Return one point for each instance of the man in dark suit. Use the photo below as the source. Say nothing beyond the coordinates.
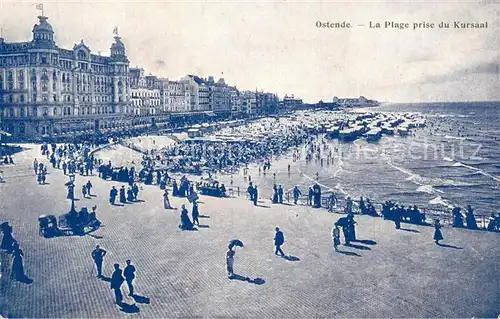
(98, 255)
(112, 195)
(129, 273)
(116, 284)
(279, 239)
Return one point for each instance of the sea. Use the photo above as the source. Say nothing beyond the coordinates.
(453, 161)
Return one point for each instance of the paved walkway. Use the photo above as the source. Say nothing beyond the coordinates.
(391, 274)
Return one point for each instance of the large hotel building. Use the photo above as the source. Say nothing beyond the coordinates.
(50, 91)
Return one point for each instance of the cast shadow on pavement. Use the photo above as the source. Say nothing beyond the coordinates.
(141, 299)
(410, 230)
(449, 246)
(264, 206)
(204, 216)
(125, 307)
(94, 236)
(291, 258)
(357, 247)
(365, 241)
(203, 226)
(256, 281)
(348, 253)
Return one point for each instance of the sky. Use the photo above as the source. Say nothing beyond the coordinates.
(275, 46)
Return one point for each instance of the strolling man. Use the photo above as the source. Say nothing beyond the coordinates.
(116, 284)
(112, 195)
(129, 273)
(279, 239)
(98, 255)
(88, 185)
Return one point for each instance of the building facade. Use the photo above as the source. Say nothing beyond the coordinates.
(266, 103)
(290, 102)
(199, 93)
(176, 96)
(235, 101)
(50, 91)
(220, 97)
(248, 103)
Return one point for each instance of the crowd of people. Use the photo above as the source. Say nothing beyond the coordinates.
(76, 158)
(397, 213)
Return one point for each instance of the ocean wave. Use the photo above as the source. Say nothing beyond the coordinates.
(440, 201)
(473, 174)
(428, 189)
(427, 181)
(480, 171)
(455, 137)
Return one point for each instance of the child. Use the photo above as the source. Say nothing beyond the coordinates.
(336, 237)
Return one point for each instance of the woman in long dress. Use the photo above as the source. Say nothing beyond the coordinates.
(437, 232)
(17, 263)
(166, 201)
(7, 240)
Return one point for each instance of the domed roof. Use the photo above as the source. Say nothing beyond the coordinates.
(43, 26)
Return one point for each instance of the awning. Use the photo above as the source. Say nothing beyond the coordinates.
(5, 133)
(210, 113)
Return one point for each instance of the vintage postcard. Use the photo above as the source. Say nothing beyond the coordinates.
(249, 159)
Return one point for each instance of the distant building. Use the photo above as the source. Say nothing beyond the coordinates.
(236, 101)
(176, 96)
(220, 97)
(354, 102)
(266, 103)
(199, 92)
(290, 102)
(147, 99)
(249, 103)
(50, 91)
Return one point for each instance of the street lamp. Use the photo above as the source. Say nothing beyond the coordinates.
(71, 191)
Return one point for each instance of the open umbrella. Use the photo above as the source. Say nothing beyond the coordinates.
(235, 242)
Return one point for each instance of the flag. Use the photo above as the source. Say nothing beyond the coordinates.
(115, 31)
(39, 6)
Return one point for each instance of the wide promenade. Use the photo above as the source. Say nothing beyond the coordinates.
(389, 273)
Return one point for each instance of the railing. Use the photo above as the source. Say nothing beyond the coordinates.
(445, 217)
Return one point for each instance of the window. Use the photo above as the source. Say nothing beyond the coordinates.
(22, 98)
(1, 82)
(45, 111)
(45, 82)
(82, 55)
(22, 112)
(55, 111)
(21, 79)
(10, 80)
